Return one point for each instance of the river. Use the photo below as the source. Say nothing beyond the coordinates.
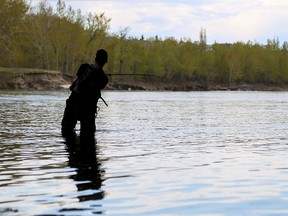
(157, 153)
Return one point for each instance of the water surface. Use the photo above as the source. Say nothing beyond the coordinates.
(157, 153)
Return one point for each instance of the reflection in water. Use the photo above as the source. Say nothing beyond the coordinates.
(164, 153)
(83, 158)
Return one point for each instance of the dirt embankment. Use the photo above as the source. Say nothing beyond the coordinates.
(194, 86)
(34, 80)
(52, 80)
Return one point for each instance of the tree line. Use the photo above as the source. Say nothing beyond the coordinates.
(62, 38)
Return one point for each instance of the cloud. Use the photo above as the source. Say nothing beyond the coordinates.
(224, 20)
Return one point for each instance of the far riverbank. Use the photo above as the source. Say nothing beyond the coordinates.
(35, 79)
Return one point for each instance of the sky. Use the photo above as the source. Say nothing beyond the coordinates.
(225, 21)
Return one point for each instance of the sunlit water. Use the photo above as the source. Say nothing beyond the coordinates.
(157, 153)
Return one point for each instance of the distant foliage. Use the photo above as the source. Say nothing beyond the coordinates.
(61, 38)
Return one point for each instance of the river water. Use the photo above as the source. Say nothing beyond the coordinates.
(157, 153)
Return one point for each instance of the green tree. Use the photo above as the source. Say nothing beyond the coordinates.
(221, 66)
(97, 27)
(39, 26)
(12, 14)
(283, 63)
(234, 56)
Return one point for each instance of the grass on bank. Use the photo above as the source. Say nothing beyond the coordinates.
(19, 71)
(6, 74)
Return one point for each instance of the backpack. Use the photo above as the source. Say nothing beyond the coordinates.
(81, 73)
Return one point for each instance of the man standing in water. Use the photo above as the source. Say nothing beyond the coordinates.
(86, 90)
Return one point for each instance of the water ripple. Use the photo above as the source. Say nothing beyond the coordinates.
(157, 153)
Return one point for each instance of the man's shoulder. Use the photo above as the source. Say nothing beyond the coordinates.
(97, 70)
(88, 70)
(95, 67)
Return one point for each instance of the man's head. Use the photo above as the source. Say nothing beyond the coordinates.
(101, 57)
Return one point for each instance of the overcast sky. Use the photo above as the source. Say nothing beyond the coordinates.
(224, 20)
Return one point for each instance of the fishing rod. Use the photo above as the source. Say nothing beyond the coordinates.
(126, 74)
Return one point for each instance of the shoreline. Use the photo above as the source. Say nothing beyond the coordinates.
(48, 80)
(149, 87)
(196, 86)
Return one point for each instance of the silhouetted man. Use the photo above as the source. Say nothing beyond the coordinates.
(86, 90)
